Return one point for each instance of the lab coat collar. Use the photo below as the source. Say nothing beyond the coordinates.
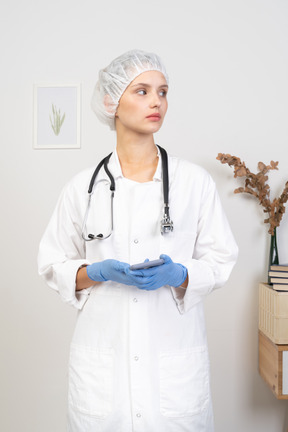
(158, 172)
(115, 167)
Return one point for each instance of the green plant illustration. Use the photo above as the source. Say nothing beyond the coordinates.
(57, 122)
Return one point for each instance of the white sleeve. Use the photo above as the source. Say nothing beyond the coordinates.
(62, 250)
(214, 256)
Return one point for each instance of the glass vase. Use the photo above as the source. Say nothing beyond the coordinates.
(273, 253)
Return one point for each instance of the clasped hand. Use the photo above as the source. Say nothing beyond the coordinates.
(169, 273)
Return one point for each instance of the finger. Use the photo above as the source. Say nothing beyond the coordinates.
(122, 267)
(131, 273)
(150, 283)
(146, 289)
(136, 277)
(166, 258)
(152, 271)
(149, 287)
(143, 283)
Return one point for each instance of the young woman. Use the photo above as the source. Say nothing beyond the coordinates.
(138, 359)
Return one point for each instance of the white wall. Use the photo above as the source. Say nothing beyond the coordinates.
(228, 65)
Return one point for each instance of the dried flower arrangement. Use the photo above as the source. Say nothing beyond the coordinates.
(256, 185)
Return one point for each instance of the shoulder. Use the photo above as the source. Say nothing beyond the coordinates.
(79, 183)
(182, 169)
(83, 177)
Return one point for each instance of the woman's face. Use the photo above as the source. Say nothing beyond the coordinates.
(143, 105)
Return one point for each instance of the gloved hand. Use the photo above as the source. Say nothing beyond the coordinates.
(168, 273)
(113, 270)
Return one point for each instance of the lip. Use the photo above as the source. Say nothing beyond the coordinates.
(154, 116)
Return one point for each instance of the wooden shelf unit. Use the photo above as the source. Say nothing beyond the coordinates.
(273, 365)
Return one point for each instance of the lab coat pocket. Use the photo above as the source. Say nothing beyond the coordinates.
(91, 374)
(184, 382)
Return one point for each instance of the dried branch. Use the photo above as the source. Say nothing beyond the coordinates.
(257, 186)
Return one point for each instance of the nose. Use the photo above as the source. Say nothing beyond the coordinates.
(155, 100)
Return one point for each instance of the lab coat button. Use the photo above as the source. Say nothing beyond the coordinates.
(136, 241)
(136, 358)
(135, 300)
(138, 415)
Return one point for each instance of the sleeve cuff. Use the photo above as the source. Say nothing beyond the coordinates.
(66, 283)
(201, 282)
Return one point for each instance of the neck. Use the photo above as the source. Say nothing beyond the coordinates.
(134, 148)
(138, 156)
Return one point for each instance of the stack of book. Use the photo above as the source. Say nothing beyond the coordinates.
(279, 277)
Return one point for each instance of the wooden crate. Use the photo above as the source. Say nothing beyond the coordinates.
(273, 313)
(273, 366)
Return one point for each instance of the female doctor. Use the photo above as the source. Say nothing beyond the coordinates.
(138, 358)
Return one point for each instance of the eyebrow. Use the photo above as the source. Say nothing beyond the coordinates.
(148, 85)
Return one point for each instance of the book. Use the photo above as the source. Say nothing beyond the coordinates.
(278, 280)
(279, 277)
(277, 267)
(279, 274)
(280, 287)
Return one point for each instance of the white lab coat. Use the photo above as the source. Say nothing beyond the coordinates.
(139, 359)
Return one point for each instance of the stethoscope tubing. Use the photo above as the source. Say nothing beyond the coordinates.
(166, 223)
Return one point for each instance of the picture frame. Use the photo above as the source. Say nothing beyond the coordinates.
(57, 114)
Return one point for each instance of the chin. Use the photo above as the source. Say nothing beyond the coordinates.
(144, 129)
(155, 127)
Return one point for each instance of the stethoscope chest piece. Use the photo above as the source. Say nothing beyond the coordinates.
(166, 225)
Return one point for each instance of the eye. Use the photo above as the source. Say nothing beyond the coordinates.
(142, 92)
(163, 93)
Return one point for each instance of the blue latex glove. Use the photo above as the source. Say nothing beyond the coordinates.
(168, 273)
(113, 270)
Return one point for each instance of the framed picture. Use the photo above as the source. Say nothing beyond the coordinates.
(57, 116)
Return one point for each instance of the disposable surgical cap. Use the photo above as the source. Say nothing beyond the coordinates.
(115, 78)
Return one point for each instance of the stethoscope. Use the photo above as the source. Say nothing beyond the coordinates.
(166, 222)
